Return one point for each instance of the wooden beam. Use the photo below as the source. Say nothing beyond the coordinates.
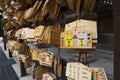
(116, 6)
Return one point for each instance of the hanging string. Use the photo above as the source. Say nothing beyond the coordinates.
(79, 15)
(86, 58)
(58, 15)
(58, 55)
(57, 25)
(45, 20)
(79, 57)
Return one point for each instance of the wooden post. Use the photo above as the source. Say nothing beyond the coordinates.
(83, 58)
(10, 53)
(116, 7)
(87, 62)
(4, 40)
(63, 64)
(79, 57)
(22, 69)
(22, 66)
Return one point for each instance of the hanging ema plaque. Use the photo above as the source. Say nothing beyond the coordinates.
(78, 71)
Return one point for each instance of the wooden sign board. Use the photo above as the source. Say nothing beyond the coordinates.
(22, 57)
(98, 73)
(84, 25)
(76, 40)
(69, 78)
(18, 33)
(78, 71)
(30, 34)
(51, 35)
(15, 53)
(39, 31)
(48, 76)
(24, 33)
(39, 71)
(46, 58)
(31, 40)
(101, 74)
(10, 44)
(34, 54)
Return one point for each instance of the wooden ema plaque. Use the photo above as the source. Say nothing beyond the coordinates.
(101, 74)
(46, 58)
(10, 44)
(76, 40)
(78, 71)
(15, 53)
(22, 57)
(48, 76)
(84, 25)
(34, 54)
(98, 74)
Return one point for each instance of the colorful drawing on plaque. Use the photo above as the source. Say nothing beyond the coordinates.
(81, 41)
(68, 39)
(34, 55)
(43, 58)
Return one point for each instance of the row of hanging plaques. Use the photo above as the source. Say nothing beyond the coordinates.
(80, 34)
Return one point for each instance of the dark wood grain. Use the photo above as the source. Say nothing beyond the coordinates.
(116, 6)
